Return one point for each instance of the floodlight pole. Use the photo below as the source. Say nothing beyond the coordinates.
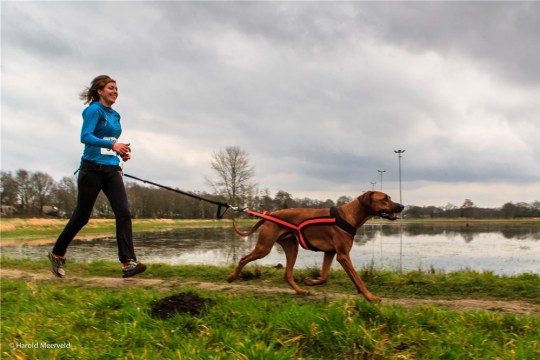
(381, 172)
(399, 152)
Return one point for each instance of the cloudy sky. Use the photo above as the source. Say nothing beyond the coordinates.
(319, 94)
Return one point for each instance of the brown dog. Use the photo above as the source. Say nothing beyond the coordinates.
(331, 239)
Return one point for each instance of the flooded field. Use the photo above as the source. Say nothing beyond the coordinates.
(504, 249)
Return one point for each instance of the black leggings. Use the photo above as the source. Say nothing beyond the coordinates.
(93, 179)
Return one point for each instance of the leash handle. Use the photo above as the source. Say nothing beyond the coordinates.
(220, 214)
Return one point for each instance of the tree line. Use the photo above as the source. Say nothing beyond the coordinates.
(25, 193)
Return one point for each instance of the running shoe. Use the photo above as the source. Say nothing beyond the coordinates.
(57, 264)
(132, 268)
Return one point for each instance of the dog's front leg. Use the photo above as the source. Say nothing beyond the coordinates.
(345, 261)
(325, 272)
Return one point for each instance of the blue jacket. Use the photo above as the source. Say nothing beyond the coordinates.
(101, 126)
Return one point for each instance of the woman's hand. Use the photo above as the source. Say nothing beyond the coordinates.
(124, 150)
(121, 148)
(126, 157)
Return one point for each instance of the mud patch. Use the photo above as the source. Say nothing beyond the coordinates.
(187, 302)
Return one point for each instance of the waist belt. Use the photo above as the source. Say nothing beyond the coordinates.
(90, 165)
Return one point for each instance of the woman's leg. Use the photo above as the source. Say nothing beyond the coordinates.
(115, 191)
(89, 186)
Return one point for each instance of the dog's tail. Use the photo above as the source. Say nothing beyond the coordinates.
(249, 232)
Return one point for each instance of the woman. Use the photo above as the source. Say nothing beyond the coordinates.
(100, 171)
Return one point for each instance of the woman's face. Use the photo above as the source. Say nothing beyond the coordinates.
(108, 95)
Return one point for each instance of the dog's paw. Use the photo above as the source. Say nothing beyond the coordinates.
(314, 282)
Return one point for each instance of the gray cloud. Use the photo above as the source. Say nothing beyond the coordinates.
(502, 35)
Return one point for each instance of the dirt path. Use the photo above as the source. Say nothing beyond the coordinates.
(517, 307)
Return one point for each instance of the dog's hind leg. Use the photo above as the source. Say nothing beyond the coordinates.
(290, 247)
(325, 272)
(258, 252)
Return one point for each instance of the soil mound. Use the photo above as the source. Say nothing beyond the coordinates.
(180, 303)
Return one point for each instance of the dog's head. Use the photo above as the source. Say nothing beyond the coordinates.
(380, 204)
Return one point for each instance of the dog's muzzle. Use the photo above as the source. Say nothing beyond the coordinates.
(392, 215)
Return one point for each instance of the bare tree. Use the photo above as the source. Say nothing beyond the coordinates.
(25, 191)
(234, 175)
(343, 200)
(467, 209)
(42, 185)
(9, 188)
(284, 200)
(65, 195)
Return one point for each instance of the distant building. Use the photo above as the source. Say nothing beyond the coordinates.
(8, 210)
(49, 210)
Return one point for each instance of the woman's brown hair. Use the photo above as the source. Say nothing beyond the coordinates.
(90, 94)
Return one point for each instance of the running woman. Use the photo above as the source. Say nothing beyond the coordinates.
(100, 171)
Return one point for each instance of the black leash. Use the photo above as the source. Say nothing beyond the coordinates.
(222, 207)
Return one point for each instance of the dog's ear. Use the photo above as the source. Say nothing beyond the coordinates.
(365, 198)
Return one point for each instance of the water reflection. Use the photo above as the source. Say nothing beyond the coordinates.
(504, 249)
(466, 230)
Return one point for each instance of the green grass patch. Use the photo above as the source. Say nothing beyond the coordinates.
(414, 284)
(99, 323)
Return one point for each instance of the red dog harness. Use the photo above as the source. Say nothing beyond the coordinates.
(333, 219)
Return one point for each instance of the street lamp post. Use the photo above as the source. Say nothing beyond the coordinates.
(381, 172)
(399, 152)
(372, 185)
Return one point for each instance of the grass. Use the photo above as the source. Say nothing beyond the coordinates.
(414, 284)
(99, 323)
